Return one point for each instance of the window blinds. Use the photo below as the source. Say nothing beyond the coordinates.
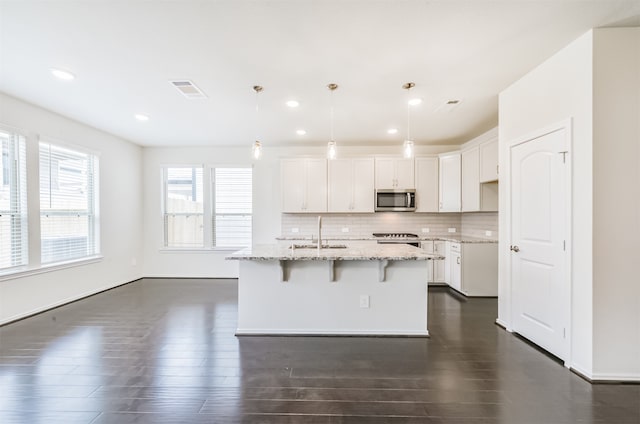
(13, 201)
(232, 207)
(184, 207)
(68, 190)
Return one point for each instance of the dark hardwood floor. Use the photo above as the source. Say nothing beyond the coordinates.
(164, 351)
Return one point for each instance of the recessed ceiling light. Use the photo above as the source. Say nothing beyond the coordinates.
(293, 103)
(63, 75)
(415, 102)
(392, 131)
(301, 132)
(141, 117)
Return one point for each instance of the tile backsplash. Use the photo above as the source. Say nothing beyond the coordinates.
(471, 224)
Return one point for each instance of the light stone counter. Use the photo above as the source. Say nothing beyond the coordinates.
(390, 252)
(451, 237)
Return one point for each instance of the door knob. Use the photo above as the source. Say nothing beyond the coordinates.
(515, 249)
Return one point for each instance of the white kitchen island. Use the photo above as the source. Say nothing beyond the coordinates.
(370, 290)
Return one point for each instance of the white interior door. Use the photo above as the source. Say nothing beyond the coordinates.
(540, 298)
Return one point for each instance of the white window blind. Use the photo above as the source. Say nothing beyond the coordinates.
(183, 207)
(68, 202)
(232, 207)
(13, 201)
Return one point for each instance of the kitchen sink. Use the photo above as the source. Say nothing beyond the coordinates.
(315, 246)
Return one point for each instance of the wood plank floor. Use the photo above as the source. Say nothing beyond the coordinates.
(164, 351)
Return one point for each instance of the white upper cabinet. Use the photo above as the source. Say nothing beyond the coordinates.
(470, 180)
(304, 185)
(351, 185)
(449, 182)
(427, 184)
(394, 173)
(489, 160)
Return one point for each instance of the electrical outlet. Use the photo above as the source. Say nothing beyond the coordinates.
(295, 230)
(452, 230)
(425, 230)
(345, 229)
(488, 233)
(364, 301)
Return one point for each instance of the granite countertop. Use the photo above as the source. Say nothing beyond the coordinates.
(449, 237)
(392, 252)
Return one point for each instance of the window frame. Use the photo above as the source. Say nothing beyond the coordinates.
(19, 189)
(208, 204)
(212, 219)
(93, 209)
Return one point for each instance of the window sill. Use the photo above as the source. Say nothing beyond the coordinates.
(26, 272)
(201, 250)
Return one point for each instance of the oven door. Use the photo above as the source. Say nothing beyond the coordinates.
(395, 200)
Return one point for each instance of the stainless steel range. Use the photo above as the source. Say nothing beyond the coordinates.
(397, 238)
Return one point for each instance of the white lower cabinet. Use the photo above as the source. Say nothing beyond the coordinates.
(472, 268)
(439, 247)
(436, 270)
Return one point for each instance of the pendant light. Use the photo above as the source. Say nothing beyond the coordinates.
(331, 145)
(257, 146)
(408, 143)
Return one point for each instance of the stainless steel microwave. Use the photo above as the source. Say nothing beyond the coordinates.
(395, 200)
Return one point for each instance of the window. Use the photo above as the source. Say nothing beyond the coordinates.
(183, 207)
(202, 213)
(231, 207)
(68, 204)
(13, 201)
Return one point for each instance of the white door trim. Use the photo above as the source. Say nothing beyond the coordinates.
(567, 126)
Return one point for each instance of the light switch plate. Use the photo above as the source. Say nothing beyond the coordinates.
(452, 230)
(425, 230)
(345, 229)
(364, 301)
(488, 233)
(295, 230)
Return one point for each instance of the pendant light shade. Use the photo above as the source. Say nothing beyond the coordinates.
(257, 146)
(408, 145)
(331, 145)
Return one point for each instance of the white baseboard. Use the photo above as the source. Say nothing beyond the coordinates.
(503, 324)
(606, 377)
(327, 332)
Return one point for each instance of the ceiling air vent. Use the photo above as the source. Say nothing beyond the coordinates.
(448, 105)
(188, 89)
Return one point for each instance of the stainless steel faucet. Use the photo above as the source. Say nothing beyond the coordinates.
(319, 232)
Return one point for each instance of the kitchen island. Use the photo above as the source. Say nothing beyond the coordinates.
(368, 290)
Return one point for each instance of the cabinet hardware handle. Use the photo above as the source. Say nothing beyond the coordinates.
(514, 249)
(497, 169)
(458, 260)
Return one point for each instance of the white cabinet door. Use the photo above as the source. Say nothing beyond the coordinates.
(489, 161)
(449, 182)
(405, 174)
(392, 173)
(456, 266)
(363, 185)
(293, 185)
(351, 185)
(385, 173)
(447, 262)
(316, 185)
(340, 185)
(471, 180)
(439, 247)
(427, 184)
(304, 185)
(427, 246)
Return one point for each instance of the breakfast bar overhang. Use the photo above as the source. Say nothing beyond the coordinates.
(378, 290)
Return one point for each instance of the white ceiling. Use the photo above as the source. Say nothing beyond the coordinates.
(125, 52)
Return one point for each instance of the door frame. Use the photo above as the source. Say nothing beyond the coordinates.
(567, 300)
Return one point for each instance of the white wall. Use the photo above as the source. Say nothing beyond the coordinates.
(558, 89)
(266, 201)
(616, 203)
(595, 81)
(120, 213)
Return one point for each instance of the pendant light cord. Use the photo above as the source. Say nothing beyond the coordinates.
(408, 114)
